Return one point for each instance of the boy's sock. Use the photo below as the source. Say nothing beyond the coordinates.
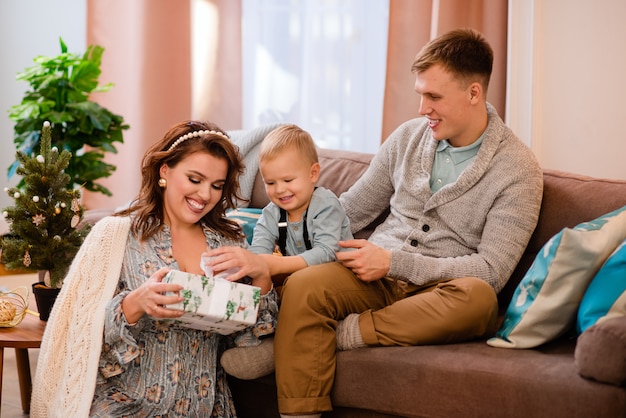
(349, 333)
(249, 363)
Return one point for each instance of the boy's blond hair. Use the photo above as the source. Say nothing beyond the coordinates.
(285, 137)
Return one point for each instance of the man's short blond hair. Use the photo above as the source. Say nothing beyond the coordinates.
(288, 137)
(463, 52)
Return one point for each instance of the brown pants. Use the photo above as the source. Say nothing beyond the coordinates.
(392, 313)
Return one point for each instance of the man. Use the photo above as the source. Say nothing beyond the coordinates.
(464, 194)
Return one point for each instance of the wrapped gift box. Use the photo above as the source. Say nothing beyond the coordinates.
(215, 304)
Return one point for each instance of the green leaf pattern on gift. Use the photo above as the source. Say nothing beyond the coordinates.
(191, 301)
(187, 294)
(240, 305)
(230, 309)
(205, 281)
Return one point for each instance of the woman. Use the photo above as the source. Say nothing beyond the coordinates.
(110, 347)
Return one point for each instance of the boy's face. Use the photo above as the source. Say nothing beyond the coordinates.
(289, 181)
(447, 103)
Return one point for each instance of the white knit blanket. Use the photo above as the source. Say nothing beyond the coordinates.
(248, 142)
(67, 367)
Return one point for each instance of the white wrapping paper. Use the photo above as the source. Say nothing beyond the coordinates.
(214, 304)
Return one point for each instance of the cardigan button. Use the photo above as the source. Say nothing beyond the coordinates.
(414, 243)
(425, 228)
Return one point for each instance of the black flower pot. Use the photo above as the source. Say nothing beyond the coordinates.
(44, 297)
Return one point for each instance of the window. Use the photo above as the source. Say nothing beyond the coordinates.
(319, 64)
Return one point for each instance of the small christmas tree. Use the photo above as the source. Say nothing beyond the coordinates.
(43, 222)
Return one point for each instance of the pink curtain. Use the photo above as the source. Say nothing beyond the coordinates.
(412, 23)
(148, 56)
(217, 93)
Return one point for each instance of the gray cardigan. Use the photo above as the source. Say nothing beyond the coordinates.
(477, 226)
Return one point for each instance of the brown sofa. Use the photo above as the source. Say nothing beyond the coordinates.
(473, 379)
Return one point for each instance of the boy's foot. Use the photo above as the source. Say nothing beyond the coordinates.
(249, 363)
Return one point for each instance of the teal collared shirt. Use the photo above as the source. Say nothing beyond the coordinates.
(450, 162)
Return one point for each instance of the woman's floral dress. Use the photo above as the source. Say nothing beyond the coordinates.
(159, 369)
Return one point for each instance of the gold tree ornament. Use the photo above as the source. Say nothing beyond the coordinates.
(38, 219)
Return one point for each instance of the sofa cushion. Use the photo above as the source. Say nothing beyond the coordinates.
(246, 218)
(606, 295)
(601, 352)
(545, 303)
(568, 200)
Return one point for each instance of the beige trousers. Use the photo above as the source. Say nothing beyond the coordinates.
(391, 313)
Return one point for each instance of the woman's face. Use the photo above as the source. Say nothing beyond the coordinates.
(194, 187)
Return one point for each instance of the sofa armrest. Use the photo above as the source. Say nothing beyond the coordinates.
(601, 352)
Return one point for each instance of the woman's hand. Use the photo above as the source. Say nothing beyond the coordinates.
(150, 298)
(249, 264)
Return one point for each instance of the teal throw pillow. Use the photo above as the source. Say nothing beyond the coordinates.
(605, 297)
(247, 218)
(545, 303)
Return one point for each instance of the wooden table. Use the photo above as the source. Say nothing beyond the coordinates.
(21, 337)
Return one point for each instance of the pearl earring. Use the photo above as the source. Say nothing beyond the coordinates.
(162, 183)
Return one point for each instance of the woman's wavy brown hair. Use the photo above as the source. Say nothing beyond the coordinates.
(147, 209)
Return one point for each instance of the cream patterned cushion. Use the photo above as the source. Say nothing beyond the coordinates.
(545, 303)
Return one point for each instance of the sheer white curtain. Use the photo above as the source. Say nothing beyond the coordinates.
(319, 64)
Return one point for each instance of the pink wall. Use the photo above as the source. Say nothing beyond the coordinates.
(568, 83)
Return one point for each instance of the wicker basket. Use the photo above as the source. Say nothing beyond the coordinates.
(13, 306)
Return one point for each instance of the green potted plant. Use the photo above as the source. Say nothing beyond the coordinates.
(45, 228)
(60, 87)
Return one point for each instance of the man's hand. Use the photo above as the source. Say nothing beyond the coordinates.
(368, 261)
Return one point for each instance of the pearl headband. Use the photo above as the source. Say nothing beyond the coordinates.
(194, 134)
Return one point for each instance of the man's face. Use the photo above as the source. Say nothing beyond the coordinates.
(446, 102)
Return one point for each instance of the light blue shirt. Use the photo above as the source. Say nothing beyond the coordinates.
(451, 161)
(327, 224)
